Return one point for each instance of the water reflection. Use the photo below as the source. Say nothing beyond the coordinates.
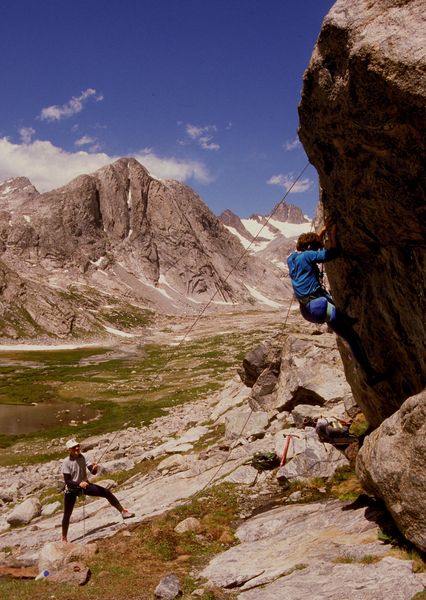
(17, 419)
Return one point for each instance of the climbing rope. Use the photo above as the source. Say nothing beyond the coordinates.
(199, 316)
(84, 516)
(231, 448)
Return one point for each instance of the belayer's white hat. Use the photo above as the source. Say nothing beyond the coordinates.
(71, 443)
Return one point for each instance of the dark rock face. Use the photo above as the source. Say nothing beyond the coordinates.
(265, 356)
(362, 123)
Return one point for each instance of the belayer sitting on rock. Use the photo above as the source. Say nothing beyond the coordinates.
(316, 304)
(74, 470)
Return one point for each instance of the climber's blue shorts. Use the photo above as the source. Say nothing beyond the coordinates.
(318, 310)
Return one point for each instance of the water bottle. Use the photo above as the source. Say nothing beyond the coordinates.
(42, 575)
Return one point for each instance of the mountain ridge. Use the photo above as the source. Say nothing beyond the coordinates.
(271, 237)
(120, 233)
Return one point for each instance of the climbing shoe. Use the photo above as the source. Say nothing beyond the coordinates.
(127, 514)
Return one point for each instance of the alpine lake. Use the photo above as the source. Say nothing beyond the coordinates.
(50, 394)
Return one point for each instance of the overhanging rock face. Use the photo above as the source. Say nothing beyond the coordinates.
(362, 123)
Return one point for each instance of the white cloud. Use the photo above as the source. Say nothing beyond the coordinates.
(291, 145)
(96, 147)
(92, 142)
(202, 135)
(172, 168)
(70, 108)
(48, 166)
(193, 131)
(26, 134)
(287, 181)
(207, 144)
(85, 140)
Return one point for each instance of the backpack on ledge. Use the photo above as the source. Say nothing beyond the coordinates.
(265, 461)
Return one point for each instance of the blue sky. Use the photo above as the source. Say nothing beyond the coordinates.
(204, 91)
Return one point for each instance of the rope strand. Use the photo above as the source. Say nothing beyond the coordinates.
(199, 316)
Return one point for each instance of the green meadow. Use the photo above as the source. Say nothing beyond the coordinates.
(119, 388)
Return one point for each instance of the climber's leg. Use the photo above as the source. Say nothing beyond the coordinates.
(342, 326)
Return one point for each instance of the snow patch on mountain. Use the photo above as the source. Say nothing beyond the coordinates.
(256, 294)
(291, 229)
(253, 245)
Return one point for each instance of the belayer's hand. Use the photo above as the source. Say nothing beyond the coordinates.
(84, 484)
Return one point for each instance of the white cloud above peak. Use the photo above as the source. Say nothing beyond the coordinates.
(287, 182)
(173, 168)
(26, 134)
(48, 166)
(85, 140)
(70, 108)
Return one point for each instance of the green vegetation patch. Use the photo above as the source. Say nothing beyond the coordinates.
(216, 509)
(359, 425)
(116, 388)
(126, 316)
(345, 485)
(36, 376)
(367, 559)
(130, 565)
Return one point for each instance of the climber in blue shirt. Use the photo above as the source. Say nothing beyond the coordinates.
(304, 273)
(316, 304)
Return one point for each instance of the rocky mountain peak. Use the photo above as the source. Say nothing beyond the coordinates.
(229, 218)
(289, 213)
(269, 236)
(233, 222)
(15, 191)
(125, 234)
